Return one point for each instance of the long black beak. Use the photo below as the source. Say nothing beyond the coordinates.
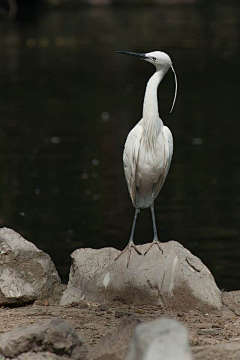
(140, 55)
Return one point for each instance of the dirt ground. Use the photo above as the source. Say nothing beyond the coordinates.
(94, 321)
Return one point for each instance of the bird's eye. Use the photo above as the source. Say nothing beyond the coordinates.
(153, 58)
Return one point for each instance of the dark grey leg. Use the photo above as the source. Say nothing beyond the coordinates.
(137, 211)
(131, 243)
(155, 235)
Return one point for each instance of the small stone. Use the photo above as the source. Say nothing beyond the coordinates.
(122, 313)
(139, 311)
(180, 314)
(214, 331)
(38, 302)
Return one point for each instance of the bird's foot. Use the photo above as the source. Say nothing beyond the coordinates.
(157, 242)
(129, 246)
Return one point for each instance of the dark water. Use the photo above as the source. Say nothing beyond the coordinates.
(68, 102)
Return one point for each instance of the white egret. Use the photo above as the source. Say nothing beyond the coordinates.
(149, 147)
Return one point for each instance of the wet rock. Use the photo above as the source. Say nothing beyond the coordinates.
(114, 345)
(174, 278)
(52, 339)
(161, 339)
(26, 272)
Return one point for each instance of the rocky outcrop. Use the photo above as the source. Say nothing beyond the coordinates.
(173, 278)
(26, 273)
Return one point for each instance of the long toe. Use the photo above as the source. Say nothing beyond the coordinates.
(158, 243)
(128, 248)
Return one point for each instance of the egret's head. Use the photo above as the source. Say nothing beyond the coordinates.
(162, 62)
(159, 59)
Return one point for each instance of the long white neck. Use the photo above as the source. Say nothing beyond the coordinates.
(152, 124)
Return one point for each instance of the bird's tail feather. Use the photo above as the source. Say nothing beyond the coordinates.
(144, 202)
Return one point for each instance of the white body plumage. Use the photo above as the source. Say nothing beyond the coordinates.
(147, 163)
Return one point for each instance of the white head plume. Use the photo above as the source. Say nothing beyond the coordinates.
(175, 93)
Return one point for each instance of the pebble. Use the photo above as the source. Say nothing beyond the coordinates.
(121, 313)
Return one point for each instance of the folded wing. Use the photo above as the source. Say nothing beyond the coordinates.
(130, 159)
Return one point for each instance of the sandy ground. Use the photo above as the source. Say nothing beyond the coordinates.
(94, 321)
